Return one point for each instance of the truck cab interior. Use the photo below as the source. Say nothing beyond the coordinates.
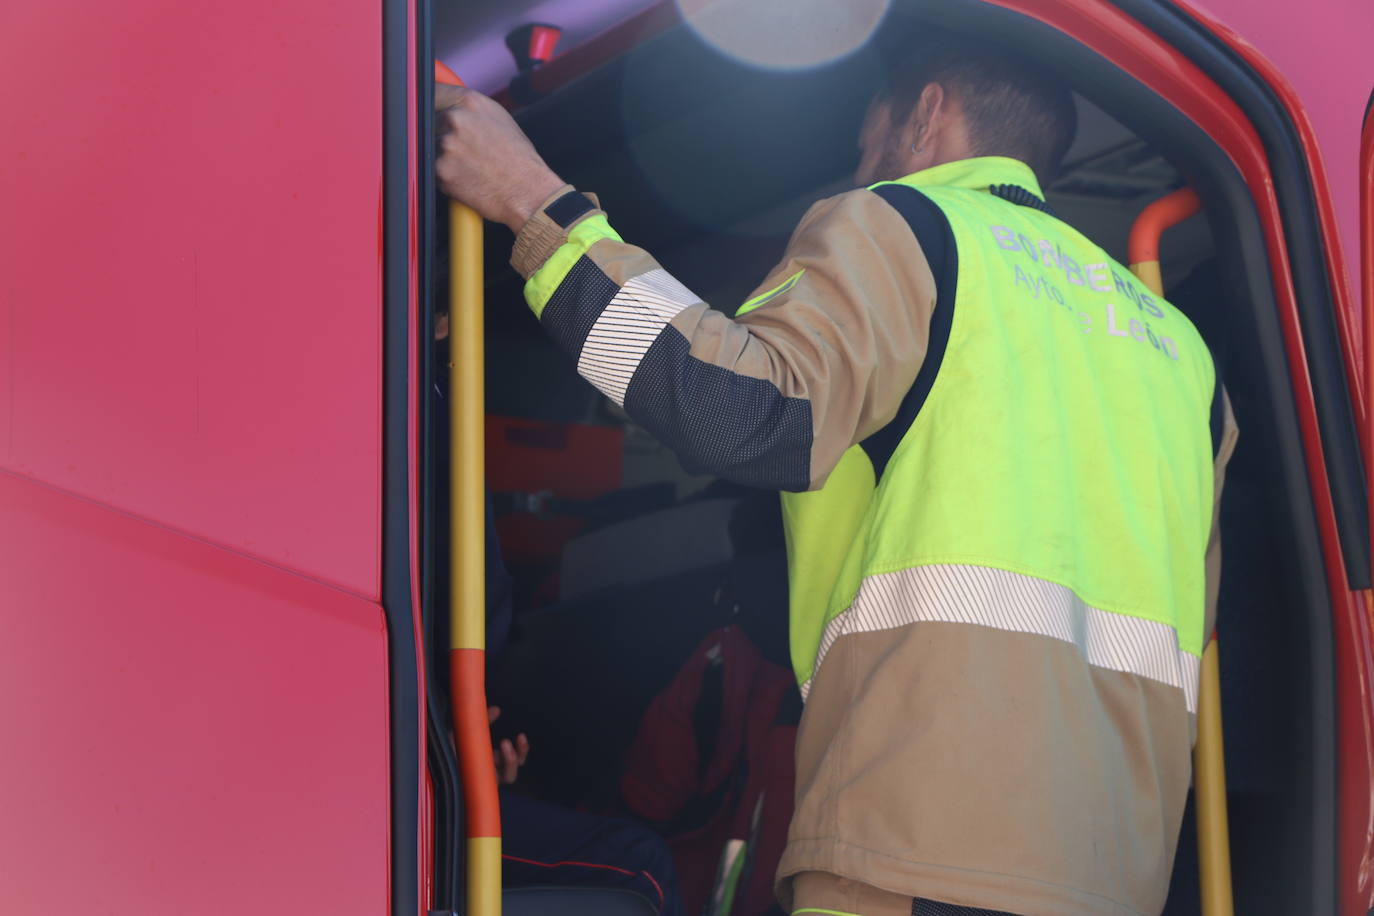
(623, 562)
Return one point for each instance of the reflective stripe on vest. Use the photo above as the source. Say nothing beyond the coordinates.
(1054, 476)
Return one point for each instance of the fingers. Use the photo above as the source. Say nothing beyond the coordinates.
(450, 125)
(446, 125)
(449, 103)
(493, 713)
(508, 762)
(510, 757)
(449, 96)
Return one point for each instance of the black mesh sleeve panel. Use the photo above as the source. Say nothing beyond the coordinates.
(720, 422)
(576, 304)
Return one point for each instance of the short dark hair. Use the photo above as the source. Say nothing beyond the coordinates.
(1014, 109)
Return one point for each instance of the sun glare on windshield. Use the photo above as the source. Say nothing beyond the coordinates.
(785, 34)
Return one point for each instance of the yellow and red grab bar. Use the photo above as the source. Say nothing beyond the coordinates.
(467, 558)
(1209, 765)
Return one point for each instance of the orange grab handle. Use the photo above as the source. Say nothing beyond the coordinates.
(443, 74)
(1169, 210)
(467, 670)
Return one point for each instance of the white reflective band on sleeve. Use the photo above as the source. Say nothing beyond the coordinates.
(626, 329)
(1009, 601)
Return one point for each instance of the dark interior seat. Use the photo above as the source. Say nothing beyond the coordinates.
(574, 901)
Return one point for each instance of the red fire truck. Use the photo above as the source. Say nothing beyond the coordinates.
(220, 260)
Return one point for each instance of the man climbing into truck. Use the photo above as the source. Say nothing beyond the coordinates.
(1001, 460)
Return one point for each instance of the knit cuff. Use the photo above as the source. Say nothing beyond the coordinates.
(547, 229)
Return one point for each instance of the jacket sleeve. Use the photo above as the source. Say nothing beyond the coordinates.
(819, 358)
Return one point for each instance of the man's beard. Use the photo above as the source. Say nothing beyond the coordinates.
(892, 164)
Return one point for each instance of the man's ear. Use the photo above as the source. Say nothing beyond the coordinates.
(929, 116)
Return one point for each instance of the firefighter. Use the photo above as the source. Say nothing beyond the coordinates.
(1002, 460)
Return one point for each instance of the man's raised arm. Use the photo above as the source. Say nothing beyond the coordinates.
(818, 360)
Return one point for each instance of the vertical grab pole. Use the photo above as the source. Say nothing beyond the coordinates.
(1209, 789)
(1209, 765)
(467, 559)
